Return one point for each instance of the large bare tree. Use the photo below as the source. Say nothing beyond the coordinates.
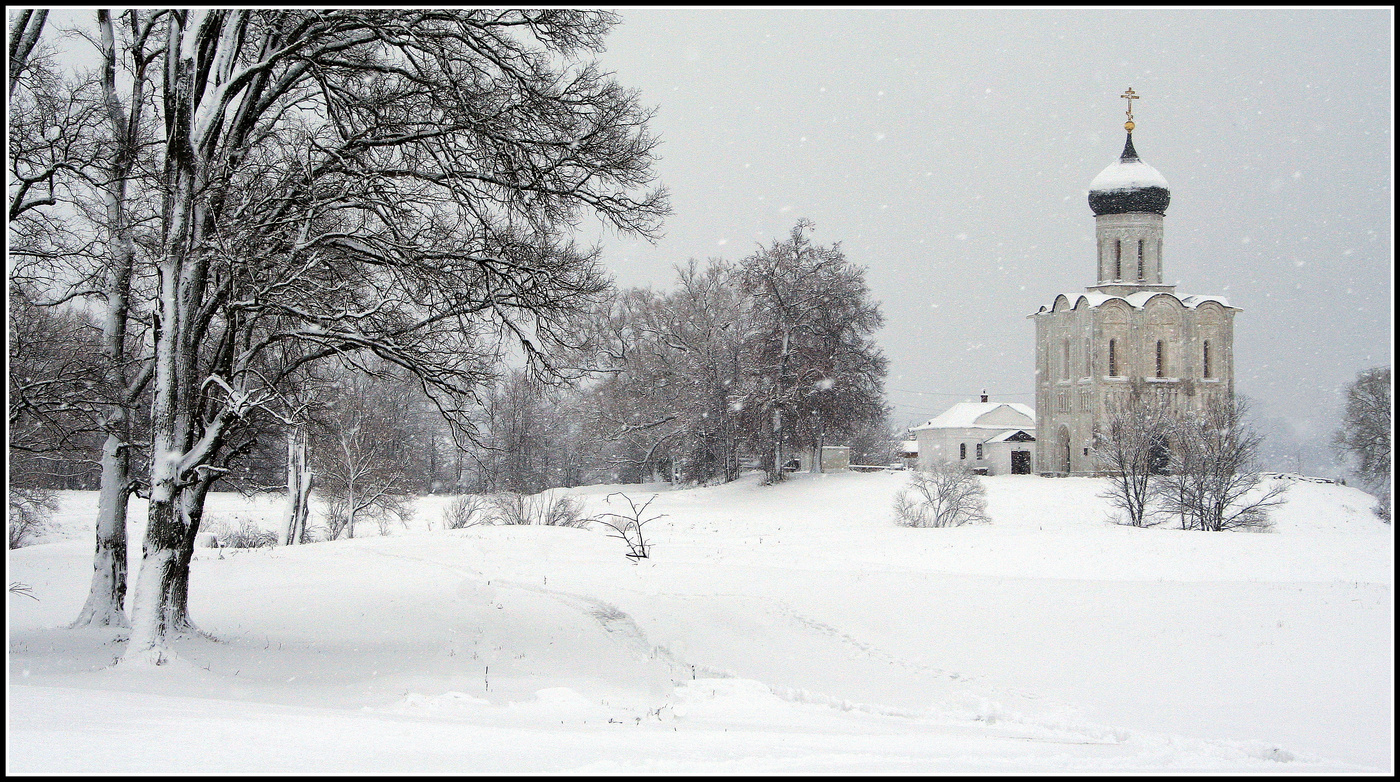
(396, 183)
(76, 143)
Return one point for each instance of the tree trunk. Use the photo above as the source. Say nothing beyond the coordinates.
(350, 511)
(777, 443)
(159, 564)
(298, 488)
(178, 600)
(107, 594)
(303, 493)
(160, 552)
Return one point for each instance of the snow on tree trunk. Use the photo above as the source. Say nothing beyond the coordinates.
(298, 488)
(107, 594)
(160, 561)
(165, 523)
(350, 509)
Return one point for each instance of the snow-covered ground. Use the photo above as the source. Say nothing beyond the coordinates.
(788, 629)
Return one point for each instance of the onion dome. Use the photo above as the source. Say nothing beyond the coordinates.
(1129, 185)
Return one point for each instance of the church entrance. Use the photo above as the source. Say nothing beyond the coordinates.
(1020, 462)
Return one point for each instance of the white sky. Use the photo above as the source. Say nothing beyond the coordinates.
(950, 152)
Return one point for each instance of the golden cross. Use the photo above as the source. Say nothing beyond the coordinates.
(1131, 96)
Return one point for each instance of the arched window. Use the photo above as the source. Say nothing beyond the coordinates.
(979, 450)
(1140, 270)
(1113, 358)
(1117, 259)
(962, 450)
(1205, 358)
(1064, 364)
(1161, 358)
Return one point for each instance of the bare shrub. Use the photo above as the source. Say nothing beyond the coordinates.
(242, 533)
(469, 510)
(31, 510)
(337, 518)
(946, 495)
(545, 509)
(628, 526)
(394, 509)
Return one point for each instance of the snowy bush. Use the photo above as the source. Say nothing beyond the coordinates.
(30, 512)
(466, 511)
(547, 509)
(242, 533)
(947, 495)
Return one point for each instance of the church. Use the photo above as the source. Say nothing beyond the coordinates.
(1128, 328)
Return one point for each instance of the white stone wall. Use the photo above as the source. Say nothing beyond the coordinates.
(1072, 396)
(1122, 233)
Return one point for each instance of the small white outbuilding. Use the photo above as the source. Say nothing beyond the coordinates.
(991, 438)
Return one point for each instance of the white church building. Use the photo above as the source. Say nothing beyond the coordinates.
(1129, 333)
(989, 438)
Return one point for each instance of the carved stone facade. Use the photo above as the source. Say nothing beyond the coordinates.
(1127, 329)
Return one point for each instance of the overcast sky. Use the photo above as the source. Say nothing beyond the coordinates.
(950, 153)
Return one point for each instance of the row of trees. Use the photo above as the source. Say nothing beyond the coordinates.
(234, 200)
(690, 385)
(749, 361)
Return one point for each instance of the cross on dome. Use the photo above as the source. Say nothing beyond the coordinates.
(1131, 96)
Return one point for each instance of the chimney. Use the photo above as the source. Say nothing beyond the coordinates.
(984, 395)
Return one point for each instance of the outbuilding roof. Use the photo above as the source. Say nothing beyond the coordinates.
(965, 415)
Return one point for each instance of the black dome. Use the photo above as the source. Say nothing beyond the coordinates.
(1117, 202)
(1129, 185)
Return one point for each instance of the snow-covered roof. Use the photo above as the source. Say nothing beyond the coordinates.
(1128, 175)
(1136, 300)
(965, 415)
(909, 446)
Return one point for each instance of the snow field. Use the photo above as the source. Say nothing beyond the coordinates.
(775, 629)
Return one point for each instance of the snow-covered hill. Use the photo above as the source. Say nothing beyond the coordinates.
(775, 629)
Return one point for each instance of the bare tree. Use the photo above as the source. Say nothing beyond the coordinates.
(1131, 448)
(1366, 431)
(363, 443)
(1212, 481)
(945, 495)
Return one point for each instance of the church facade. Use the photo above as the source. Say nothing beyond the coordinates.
(1129, 329)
